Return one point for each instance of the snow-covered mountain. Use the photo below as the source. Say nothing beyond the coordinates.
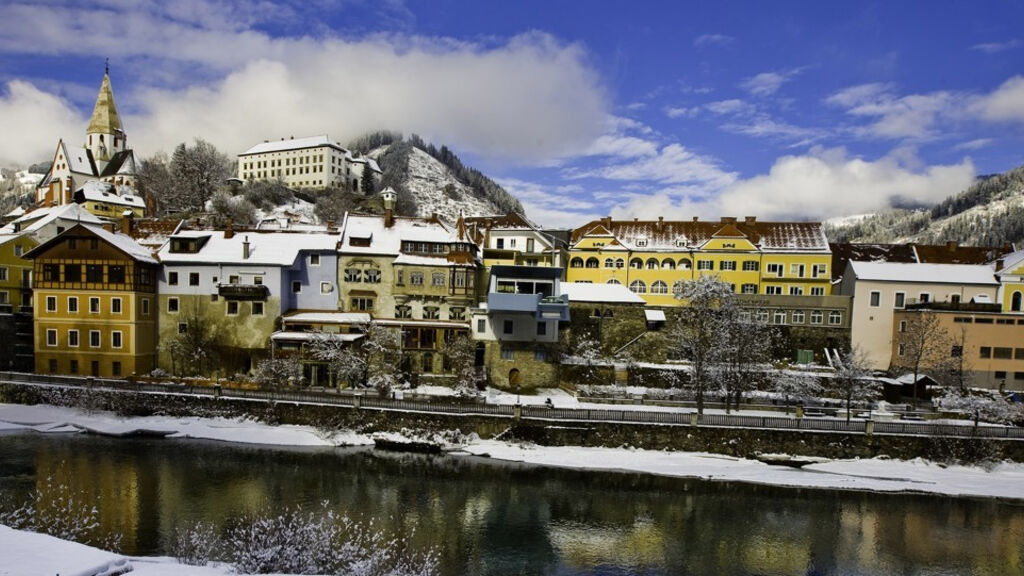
(988, 213)
(434, 181)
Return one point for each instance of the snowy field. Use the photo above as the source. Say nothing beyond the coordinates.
(1004, 480)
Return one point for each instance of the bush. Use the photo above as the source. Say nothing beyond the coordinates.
(196, 545)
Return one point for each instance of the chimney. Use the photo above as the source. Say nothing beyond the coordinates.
(999, 264)
(728, 219)
(245, 248)
(330, 226)
(389, 197)
(229, 232)
(696, 218)
(661, 223)
(750, 220)
(127, 224)
(951, 246)
(607, 221)
(109, 227)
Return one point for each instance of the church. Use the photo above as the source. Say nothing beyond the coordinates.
(100, 174)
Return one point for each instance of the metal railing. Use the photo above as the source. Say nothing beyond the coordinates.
(358, 399)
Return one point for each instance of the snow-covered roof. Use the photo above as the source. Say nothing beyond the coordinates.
(327, 318)
(1011, 262)
(655, 315)
(293, 144)
(40, 217)
(924, 273)
(308, 336)
(671, 235)
(614, 293)
(5, 238)
(17, 212)
(268, 248)
(97, 191)
(79, 160)
(124, 243)
(385, 240)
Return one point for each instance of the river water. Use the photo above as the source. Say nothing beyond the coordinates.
(489, 517)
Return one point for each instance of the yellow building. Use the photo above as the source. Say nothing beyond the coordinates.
(1010, 272)
(15, 271)
(95, 293)
(652, 257)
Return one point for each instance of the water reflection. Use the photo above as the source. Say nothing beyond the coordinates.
(498, 518)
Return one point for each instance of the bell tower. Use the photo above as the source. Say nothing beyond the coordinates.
(105, 136)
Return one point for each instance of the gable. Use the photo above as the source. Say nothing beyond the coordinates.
(730, 244)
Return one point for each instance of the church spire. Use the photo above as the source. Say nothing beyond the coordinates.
(105, 119)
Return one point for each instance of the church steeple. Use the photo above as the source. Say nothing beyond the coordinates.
(105, 135)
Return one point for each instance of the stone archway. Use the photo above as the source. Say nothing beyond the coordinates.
(513, 377)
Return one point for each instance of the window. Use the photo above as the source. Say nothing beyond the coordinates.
(651, 264)
(353, 275)
(507, 353)
(900, 301)
(705, 265)
(728, 265)
(900, 349)
(456, 313)
(499, 243)
(172, 305)
(145, 306)
(985, 352)
(116, 339)
(797, 317)
(1000, 374)
(817, 291)
(775, 269)
(1018, 353)
(94, 338)
(796, 291)
(542, 328)
(53, 363)
(72, 273)
(954, 298)
(51, 337)
(773, 290)
(481, 325)
(1016, 302)
(232, 308)
(94, 305)
(817, 316)
(115, 305)
(530, 245)
(94, 273)
(762, 316)
(668, 264)
(576, 263)
(540, 355)
(361, 304)
(403, 311)
(51, 303)
(610, 263)
(326, 287)
(296, 287)
(924, 297)
(115, 368)
(659, 287)
(903, 326)
(835, 318)
(371, 276)
(256, 280)
(193, 278)
(437, 279)
(638, 287)
(314, 260)
(508, 327)
(431, 313)
(72, 304)
(750, 266)
(3, 273)
(779, 317)
(1001, 353)
(620, 263)
(876, 299)
(182, 327)
(797, 270)
(234, 279)
(74, 366)
(748, 289)
(257, 309)
(115, 274)
(819, 270)
(416, 278)
(685, 264)
(73, 338)
(172, 278)
(592, 262)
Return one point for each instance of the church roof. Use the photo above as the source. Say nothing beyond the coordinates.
(122, 163)
(105, 119)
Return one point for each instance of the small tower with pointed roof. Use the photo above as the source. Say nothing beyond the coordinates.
(105, 136)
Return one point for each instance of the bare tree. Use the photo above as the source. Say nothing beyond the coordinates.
(796, 386)
(194, 348)
(746, 344)
(155, 183)
(700, 332)
(853, 377)
(922, 344)
(346, 361)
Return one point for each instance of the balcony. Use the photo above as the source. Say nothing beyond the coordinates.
(248, 292)
(540, 306)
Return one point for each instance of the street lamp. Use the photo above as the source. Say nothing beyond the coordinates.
(517, 394)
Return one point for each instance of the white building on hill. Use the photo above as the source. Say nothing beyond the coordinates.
(315, 162)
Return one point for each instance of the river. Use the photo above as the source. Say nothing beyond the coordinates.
(491, 517)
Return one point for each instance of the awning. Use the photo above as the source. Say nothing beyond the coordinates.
(307, 336)
(655, 315)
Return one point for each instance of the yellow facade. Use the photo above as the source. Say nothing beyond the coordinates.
(652, 271)
(16, 272)
(1012, 289)
(113, 210)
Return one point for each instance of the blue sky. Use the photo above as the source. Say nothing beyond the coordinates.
(804, 110)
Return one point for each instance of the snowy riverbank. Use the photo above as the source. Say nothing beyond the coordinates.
(1004, 480)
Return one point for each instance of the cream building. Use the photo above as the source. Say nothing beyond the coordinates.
(879, 289)
(315, 162)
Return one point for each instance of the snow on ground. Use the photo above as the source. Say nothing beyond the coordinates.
(880, 475)
(43, 418)
(33, 554)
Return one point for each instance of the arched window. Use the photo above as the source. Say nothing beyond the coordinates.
(619, 262)
(609, 263)
(592, 262)
(652, 264)
(685, 264)
(428, 363)
(668, 264)
(576, 263)
(638, 286)
(659, 287)
(614, 281)
(636, 263)
(1015, 302)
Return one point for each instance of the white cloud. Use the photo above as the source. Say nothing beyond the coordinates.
(682, 111)
(976, 144)
(30, 118)
(621, 146)
(524, 101)
(768, 83)
(674, 164)
(996, 47)
(712, 40)
(822, 184)
(1005, 103)
(553, 206)
(762, 125)
(914, 116)
(732, 106)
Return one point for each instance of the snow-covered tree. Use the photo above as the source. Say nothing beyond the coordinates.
(197, 172)
(460, 353)
(987, 406)
(922, 343)
(346, 361)
(700, 333)
(745, 346)
(237, 209)
(795, 386)
(278, 372)
(853, 378)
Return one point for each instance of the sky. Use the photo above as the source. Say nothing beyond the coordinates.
(782, 110)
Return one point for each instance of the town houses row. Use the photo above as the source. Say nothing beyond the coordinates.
(82, 295)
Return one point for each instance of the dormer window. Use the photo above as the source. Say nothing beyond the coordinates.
(641, 242)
